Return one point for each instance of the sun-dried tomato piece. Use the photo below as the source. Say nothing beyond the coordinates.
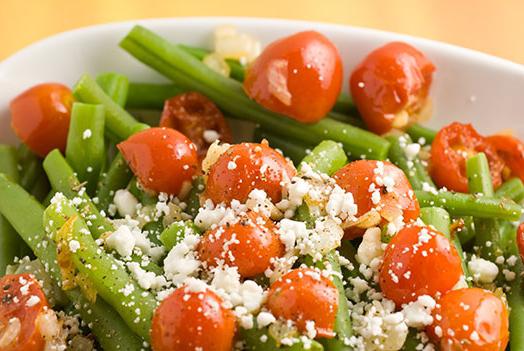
(197, 117)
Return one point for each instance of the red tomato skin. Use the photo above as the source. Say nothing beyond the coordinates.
(40, 117)
(390, 79)
(448, 160)
(356, 178)
(162, 159)
(13, 305)
(310, 68)
(485, 314)
(186, 321)
(303, 295)
(256, 245)
(520, 240)
(420, 261)
(511, 150)
(226, 183)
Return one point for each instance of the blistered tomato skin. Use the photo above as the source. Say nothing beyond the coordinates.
(470, 319)
(299, 76)
(188, 321)
(22, 309)
(40, 117)
(303, 295)
(250, 245)
(245, 167)
(391, 79)
(511, 150)
(452, 146)
(418, 261)
(394, 193)
(163, 159)
(194, 115)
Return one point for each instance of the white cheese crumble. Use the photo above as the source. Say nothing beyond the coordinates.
(181, 262)
(125, 202)
(483, 271)
(417, 314)
(122, 240)
(371, 246)
(74, 245)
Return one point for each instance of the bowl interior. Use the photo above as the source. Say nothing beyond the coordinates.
(469, 86)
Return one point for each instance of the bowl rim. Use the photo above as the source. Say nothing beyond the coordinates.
(446, 48)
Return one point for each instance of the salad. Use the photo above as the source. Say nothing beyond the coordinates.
(133, 216)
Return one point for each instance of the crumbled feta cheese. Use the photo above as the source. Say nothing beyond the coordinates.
(74, 245)
(483, 271)
(371, 246)
(181, 262)
(210, 136)
(32, 301)
(87, 134)
(264, 319)
(417, 314)
(122, 240)
(146, 280)
(125, 202)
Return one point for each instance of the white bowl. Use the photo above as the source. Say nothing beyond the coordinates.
(469, 86)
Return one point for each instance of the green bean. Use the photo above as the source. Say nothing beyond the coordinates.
(176, 232)
(85, 150)
(63, 180)
(415, 171)
(347, 118)
(413, 341)
(293, 149)
(193, 198)
(10, 242)
(345, 105)
(260, 340)
(487, 229)
(459, 204)
(119, 123)
(439, 218)
(115, 85)
(30, 167)
(343, 328)
(143, 196)
(416, 132)
(115, 286)
(26, 215)
(228, 94)
(237, 69)
(466, 231)
(512, 189)
(151, 95)
(41, 188)
(117, 177)
(327, 157)
(348, 250)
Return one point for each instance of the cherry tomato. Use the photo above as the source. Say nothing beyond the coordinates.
(418, 261)
(249, 244)
(378, 185)
(390, 87)
(245, 167)
(40, 117)
(511, 150)
(196, 116)
(22, 302)
(299, 76)
(520, 240)
(162, 159)
(188, 321)
(470, 319)
(452, 146)
(303, 295)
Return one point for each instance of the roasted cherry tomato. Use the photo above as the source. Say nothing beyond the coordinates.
(470, 319)
(40, 117)
(381, 186)
(452, 146)
(192, 320)
(162, 159)
(303, 295)
(418, 261)
(390, 87)
(520, 240)
(245, 167)
(22, 302)
(197, 117)
(299, 76)
(511, 150)
(248, 244)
